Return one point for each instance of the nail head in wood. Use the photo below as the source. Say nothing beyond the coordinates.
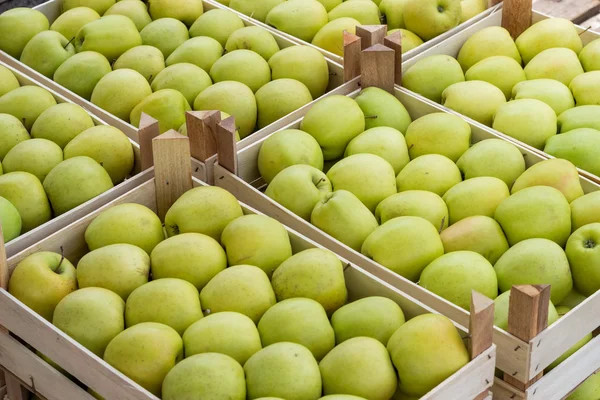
(516, 16)
(371, 35)
(352, 50)
(394, 42)
(227, 145)
(147, 131)
(202, 131)
(481, 324)
(377, 67)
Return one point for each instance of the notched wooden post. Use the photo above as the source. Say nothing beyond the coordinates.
(202, 131)
(377, 67)
(172, 169)
(394, 42)
(227, 145)
(371, 35)
(516, 16)
(481, 324)
(147, 131)
(352, 50)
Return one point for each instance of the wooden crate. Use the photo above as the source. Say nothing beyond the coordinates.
(521, 357)
(471, 382)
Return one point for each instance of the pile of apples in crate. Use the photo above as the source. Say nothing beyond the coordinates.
(171, 315)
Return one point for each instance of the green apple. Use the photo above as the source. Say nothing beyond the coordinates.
(36, 156)
(331, 38)
(234, 98)
(286, 148)
(590, 56)
(26, 103)
(61, 123)
(107, 145)
(75, 181)
(92, 316)
(374, 317)
(8, 81)
(530, 121)
(578, 146)
(147, 60)
(478, 100)
(416, 203)
(393, 10)
(110, 36)
(304, 64)
(382, 109)
(257, 9)
(18, 26)
(145, 353)
(193, 257)
(217, 24)
(302, 18)
(81, 72)
(12, 132)
(432, 172)
(26, 193)
(201, 51)
(170, 301)
(573, 299)
(589, 389)
(118, 92)
(535, 261)
(546, 34)
(475, 196)
(582, 252)
(205, 376)
(488, 42)
(225, 332)
(133, 9)
(501, 71)
(492, 157)
(584, 211)
(479, 234)
(100, 6)
(121, 268)
(535, 212)
(241, 288)
(552, 92)
(207, 210)
(243, 66)
(186, 78)
(283, 369)
(125, 223)
(409, 40)
(168, 106)
(331, 4)
(445, 69)
(10, 220)
(280, 97)
(166, 34)
(367, 13)
(46, 51)
(316, 274)
(298, 320)
(431, 18)
(501, 306)
(405, 245)
(385, 142)
(72, 20)
(254, 38)
(560, 64)
(42, 280)
(256, 240)
(455, 275)
(471, 8)
(334, 121)
(586, 88)
(187, 11)
(438, 133)
(559, 174)
(360, 366)
(579, 117)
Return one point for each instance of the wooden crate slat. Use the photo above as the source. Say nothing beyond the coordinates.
(573, 10)
(593, 23)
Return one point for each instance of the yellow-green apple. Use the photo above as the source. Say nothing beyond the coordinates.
(367, 13)
(233, 98)
(584, 259)
(170, 301)
(329, 397)
(438, 133)
(501, 305)
(243, 66)
(331, 4)
(257, 9)
(559, 174)
(298, 320)
(535, 261)
(12, 132)
(8, 81)
(36, 156)
(405, 245)
(478, 100)
(455, 275)
(61, 123)
(166, 34)
(547, 34)
(168, 106)
(286, 148)
(193, 257)
(573, 299)
(586, 88)
(488, 42)
(207, 210)
(125, 223)
(431, 18)
(75, 181)
(145, 353)
(201, 51)
(445, 69)
(42, 280)
(304, 275)
(569, 352)
(92, 316)
(72, 20)
(501, 71)
(147, 60)
(579, 146)
(26, 193)
(26, 103)
(530, 121)
(10, 220)
(475, 196)
(560, 64)
(590, 56)
(256, 240)
(584, 211)
(432, 172)
(331, 36)
(110, 36)
(217, 24)
(188, 79)
(186, 11)
(287, 370)
(471, 8)
(416, 203)
(304, 18)
(280, 97)
(393, 10)
(385, 142)
(205, 376)
(18, 26)
(81, 72)
(492, 157)
(552, 92)
(375, 317)
(579, 117)
(299, 188)
(382, 109)
(360, 366)
(427, 342)
(135, 10)
(118, 92)
(334, 121)
(46, 51)
(589, 389)
(120, 268)
(100, 6)
(241, 288)
(226, 332)
(253, 38)
(409, 40)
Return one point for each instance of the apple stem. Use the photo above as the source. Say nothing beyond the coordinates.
(62, 257)
(586, 29)
(69, 42)
(442, 225)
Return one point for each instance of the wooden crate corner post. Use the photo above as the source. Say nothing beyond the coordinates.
(377, 67)
(371, 35)
(394, 42)
(517, 16)
(227, 145)
(481, 330)
(352, 48)
(148, 130)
